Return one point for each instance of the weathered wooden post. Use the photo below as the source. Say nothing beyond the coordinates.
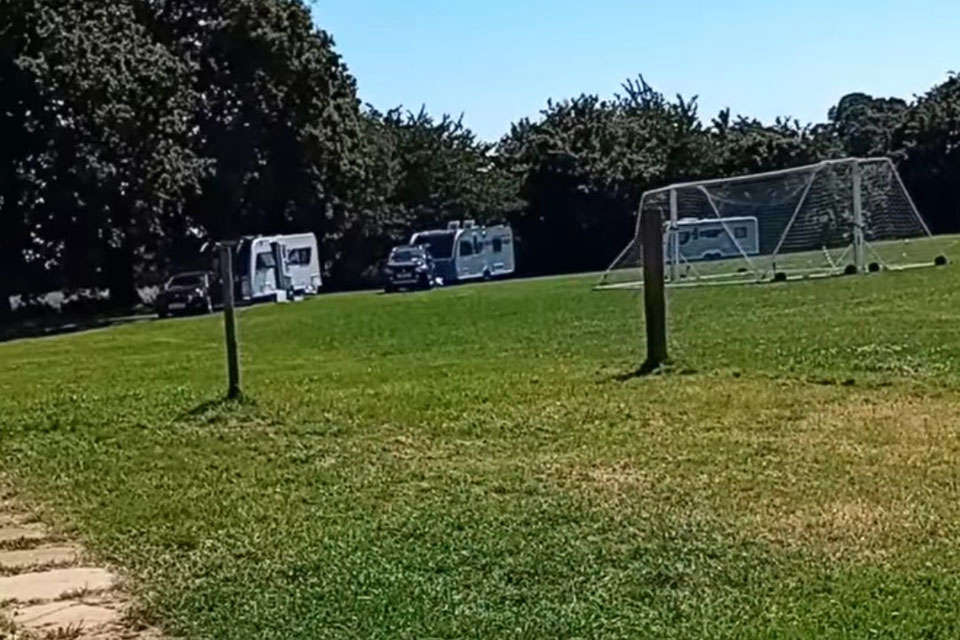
(229, 325)
(654, 298)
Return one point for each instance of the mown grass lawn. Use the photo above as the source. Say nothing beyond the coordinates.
(473, 462)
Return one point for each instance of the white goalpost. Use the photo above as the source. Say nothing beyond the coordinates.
(835, 217)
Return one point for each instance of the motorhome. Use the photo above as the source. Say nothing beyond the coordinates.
(274, 267)
(468, 252)
(712, 238)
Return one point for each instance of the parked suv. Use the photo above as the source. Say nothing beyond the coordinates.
(409, 267)
(190, 291)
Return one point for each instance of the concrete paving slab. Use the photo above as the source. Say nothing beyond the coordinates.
(14, 532)
(48, 585)
(23, 558)
(64, 614)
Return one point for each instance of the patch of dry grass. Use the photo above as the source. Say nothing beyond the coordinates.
(866, 475)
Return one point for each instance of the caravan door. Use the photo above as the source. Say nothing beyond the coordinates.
(499, 250)
(303, 262)
(469, 255)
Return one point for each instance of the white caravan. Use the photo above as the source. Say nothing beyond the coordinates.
(272, 266)
(713, 238)
(303, 262)
(469, 252)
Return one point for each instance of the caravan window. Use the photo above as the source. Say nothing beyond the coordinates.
(466, 248)
(265, 261)
(299, 256)
(711, 233)
(739, 232)
(440, 245)
(684, 237)
(497, 245)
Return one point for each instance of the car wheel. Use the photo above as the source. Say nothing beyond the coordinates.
(487, 276)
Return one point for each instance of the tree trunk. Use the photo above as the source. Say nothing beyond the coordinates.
(120, 276)
(5, 308)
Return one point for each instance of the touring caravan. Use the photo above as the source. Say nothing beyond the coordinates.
(303, 262)
(268, 267)
(469, 252)
(713, 238)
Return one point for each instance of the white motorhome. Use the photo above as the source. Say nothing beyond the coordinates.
(712, 238)
(469, 252)
(274, 266)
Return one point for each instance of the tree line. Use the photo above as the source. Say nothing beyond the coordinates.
(134, 131)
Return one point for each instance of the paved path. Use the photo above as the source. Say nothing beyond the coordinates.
(49, 589)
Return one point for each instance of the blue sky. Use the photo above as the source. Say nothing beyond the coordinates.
(498, 61)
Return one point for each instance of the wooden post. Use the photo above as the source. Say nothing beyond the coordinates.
(654, 297)
(229, 326)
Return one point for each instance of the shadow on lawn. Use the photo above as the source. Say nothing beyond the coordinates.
(39, 328)
(647, 370)
(218, 406)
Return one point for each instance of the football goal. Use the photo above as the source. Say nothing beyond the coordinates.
(831, 218)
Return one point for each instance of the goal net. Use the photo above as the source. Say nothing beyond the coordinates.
(831, 218)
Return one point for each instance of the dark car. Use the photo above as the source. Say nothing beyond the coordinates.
(409, 267)
(188, 292)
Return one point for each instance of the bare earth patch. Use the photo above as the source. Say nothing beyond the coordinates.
(45, 593)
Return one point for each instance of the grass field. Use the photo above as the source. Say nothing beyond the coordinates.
(474, 462)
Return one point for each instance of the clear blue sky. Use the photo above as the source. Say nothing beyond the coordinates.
(497, 61)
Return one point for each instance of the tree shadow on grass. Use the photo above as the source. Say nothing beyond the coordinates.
(648, 370)
(221, 409)
(39, 328)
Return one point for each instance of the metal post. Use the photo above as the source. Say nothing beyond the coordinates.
(858, 253)
(654, 297)
(674, 237)
(229, 326)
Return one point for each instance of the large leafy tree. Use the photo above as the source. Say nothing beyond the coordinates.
(20, 107)
(865, 125)
(108, 159)
(278, 117)
(927, 141)
(744, 145)
(586, 162)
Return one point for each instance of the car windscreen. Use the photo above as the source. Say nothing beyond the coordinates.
(405, 255)
(186, 281)
(440, 245)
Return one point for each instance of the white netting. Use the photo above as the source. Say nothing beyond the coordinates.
(833, 217)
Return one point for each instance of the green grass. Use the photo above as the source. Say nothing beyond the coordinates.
(475, 462)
